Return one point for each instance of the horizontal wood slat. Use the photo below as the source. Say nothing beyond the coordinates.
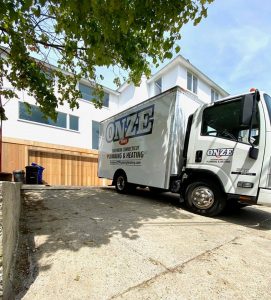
(63, 165)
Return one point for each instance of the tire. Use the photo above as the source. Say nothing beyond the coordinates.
(121, 183)
(205, 198)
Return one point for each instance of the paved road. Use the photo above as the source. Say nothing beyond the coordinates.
(97, 244)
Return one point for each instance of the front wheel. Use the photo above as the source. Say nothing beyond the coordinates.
(205, 198)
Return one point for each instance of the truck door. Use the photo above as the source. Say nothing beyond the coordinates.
(221, 146)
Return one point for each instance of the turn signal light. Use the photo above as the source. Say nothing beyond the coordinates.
(244, 184)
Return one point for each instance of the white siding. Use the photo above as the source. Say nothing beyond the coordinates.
(204, 91)
(170, 78)
(132, 95)
(177, 75)
(182, 77)
(21, 129)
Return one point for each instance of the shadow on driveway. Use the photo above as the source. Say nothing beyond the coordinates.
(55, 220)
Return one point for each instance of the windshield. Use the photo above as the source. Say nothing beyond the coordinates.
(267, 99)
(223, 121)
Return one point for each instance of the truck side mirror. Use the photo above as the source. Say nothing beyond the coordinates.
(253, 153)
(247, 104)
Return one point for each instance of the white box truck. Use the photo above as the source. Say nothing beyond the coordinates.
(208, 153)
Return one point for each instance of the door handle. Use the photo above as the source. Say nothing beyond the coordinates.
(198, 157)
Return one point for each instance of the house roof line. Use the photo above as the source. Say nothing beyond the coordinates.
(51, 66)
(83, 80)
(185, 62)
(178, 59)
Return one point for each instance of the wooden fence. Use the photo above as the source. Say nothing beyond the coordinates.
(63, 165)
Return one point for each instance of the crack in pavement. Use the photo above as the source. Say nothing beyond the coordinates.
(177, 268)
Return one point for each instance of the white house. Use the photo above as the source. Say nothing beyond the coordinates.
(79, 128)
(177, 72)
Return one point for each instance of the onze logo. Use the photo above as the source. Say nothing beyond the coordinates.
(220, 152)
(135, 124)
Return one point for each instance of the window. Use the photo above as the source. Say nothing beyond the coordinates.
(95, 135)
(192, 83)
(74, 123)
(158, 86)
(37, 116)
(244, 136)
(195, 85)
(223, 121)
(87, 94)
(214, 95)
(106, 100)
(86, 91)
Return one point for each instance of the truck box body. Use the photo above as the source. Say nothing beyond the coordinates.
(147, 140)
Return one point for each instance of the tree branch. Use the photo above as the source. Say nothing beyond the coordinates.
(56, 46)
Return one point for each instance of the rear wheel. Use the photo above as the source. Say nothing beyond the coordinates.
(121, 183)
(205, 198)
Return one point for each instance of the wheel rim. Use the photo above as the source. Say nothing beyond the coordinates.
(120, 183)
(202, 197)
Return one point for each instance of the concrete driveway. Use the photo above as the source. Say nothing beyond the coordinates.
(97, 244)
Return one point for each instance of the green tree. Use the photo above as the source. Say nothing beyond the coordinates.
(84, 34)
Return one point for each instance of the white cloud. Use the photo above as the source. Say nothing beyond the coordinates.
(250, 44)
(232, 45)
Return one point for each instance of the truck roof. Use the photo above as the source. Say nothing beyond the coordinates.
(175, 89)
(232, 97)
(169, 91)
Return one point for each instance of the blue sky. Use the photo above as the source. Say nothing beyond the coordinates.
(232, 45)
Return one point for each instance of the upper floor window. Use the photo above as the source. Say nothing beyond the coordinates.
(192, 83)
(106, 100)
(95, 135)
(37, 116)
(214, 95)
(86, 91)
(87, 94)
(74, 123)
(158, 86)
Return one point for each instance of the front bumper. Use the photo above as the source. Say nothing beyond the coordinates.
(264, 197)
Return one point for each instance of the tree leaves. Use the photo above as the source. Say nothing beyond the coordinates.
(177, 49)
(85, 34)
(168, 55)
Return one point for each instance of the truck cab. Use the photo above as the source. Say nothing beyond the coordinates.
(228, 154)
